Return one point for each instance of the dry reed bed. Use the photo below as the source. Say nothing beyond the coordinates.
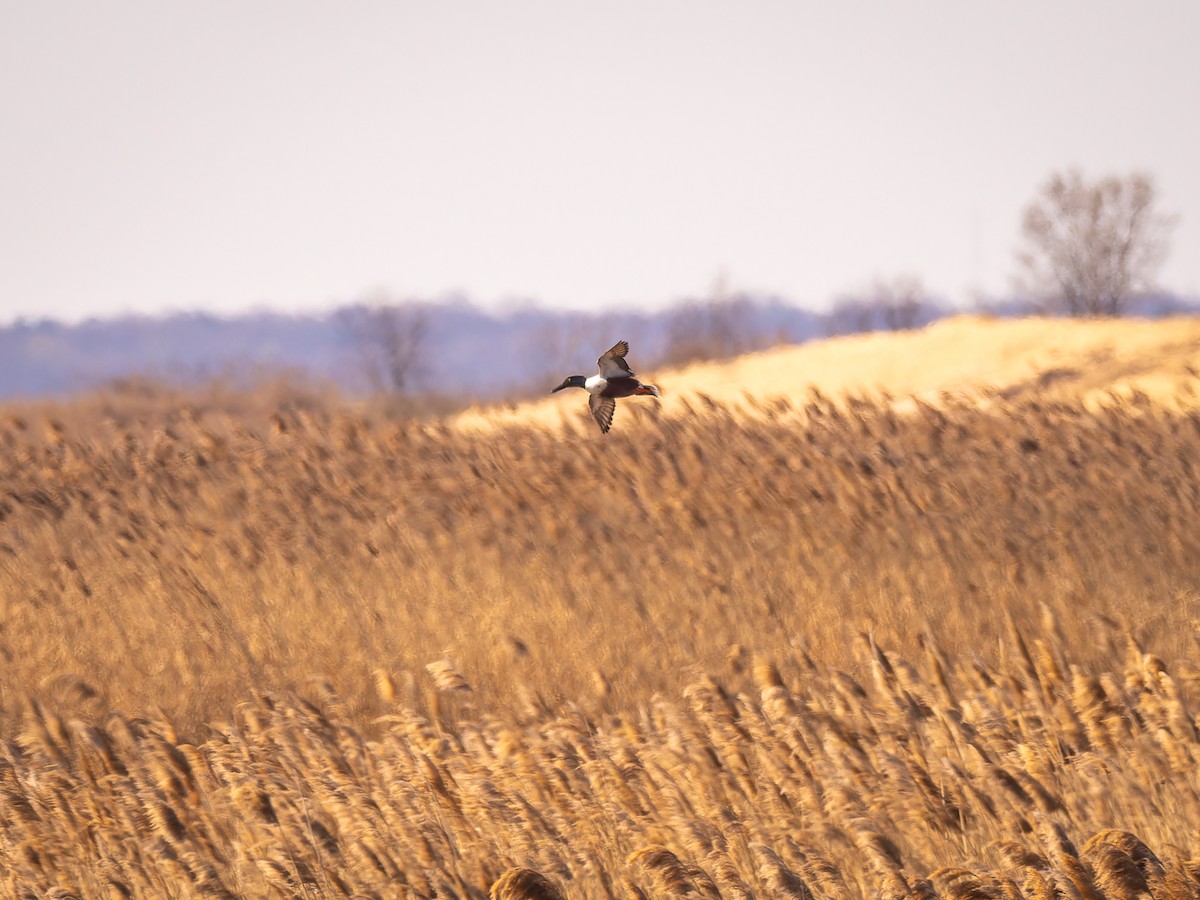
(545, 652)
(925, 777)
(185, 562)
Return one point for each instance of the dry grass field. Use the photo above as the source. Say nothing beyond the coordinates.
(837, 646)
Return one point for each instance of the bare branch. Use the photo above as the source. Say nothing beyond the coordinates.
(893, 304)
(1091, 247)
(391, 338)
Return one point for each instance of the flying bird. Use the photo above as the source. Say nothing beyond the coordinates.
(614, 380)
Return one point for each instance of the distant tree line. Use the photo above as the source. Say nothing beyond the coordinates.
(1089, 247)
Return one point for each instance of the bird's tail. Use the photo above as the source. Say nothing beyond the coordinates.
(649, 390)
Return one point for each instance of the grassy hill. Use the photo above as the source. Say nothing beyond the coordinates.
(1069, 359)
(860, 643)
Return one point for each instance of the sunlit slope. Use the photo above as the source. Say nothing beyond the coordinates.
(1087, 359)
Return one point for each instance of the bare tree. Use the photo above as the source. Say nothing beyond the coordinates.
(850, 315)
(899, 301)
(1092, 246)
(718, 326)
(391, 338)
(892, 304)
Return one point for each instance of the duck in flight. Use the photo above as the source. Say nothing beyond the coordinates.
(614, 380)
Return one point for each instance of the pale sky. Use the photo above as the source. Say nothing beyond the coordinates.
(228, 155)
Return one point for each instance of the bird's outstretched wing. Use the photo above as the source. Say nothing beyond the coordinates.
(603, 409)
(612, 364)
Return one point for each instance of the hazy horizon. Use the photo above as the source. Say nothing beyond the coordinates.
(294, 156)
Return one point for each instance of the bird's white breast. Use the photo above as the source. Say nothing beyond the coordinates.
(596, 384)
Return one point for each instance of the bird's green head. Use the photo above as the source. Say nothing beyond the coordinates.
(571, 381)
